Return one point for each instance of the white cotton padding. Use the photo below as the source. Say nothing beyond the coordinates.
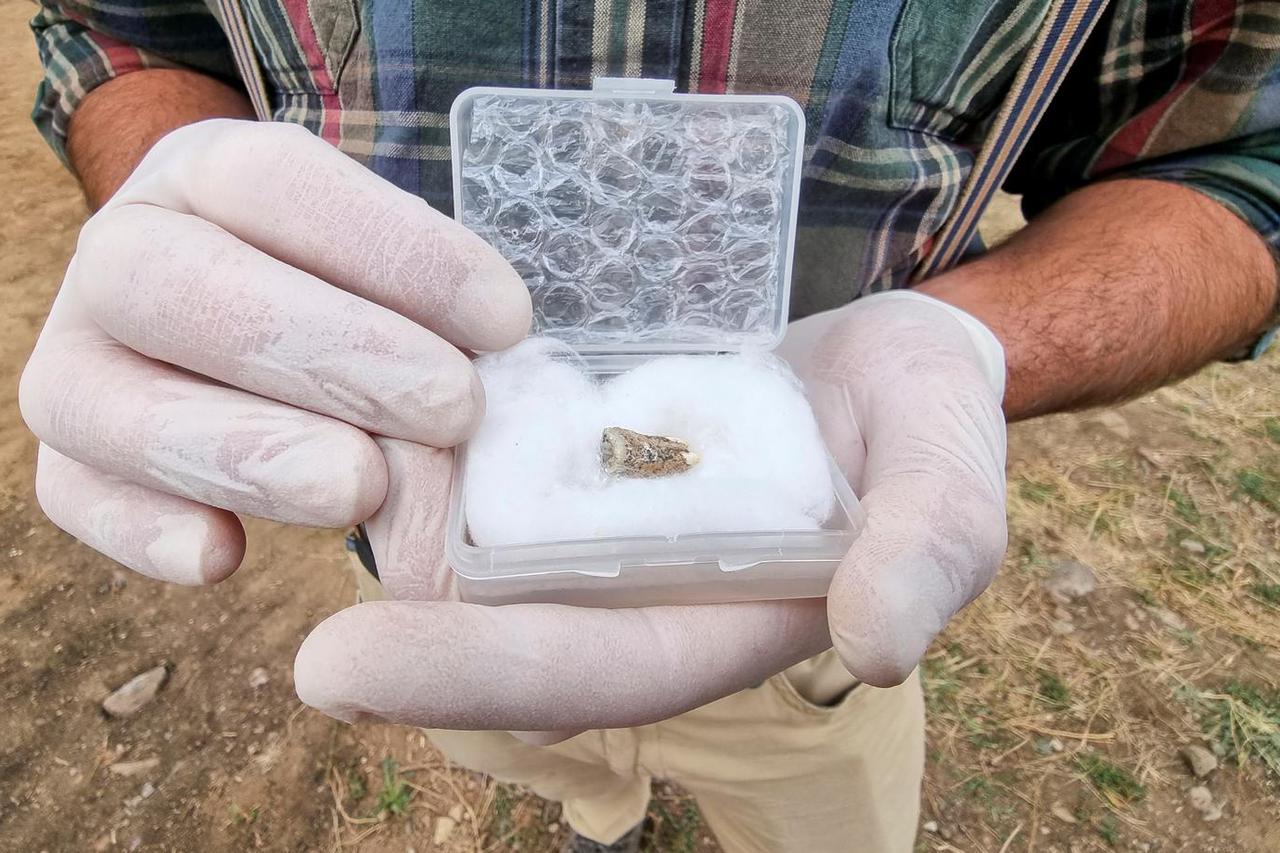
(533, 470)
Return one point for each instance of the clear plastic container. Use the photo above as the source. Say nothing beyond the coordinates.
(645, 223)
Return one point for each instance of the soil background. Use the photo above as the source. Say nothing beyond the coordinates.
(1053, 726)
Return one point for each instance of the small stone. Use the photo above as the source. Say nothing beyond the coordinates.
(1169, 619)
(1061, 628)
(1200, 761)
(1056, 745)
(135, 693)
(134, 768)
(627, 453)
(1115, 423)
(1070, 580)
(1192, 546)
(258, 678)
(930, 826)
(1131, 622)
(1201, 799)
(444, 828)
(1061, 813)
(1152, 457)
(147, 790)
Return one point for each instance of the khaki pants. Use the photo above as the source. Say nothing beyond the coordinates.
(804, 762)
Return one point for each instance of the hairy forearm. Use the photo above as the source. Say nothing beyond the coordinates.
(118, 122)
(1117, 289)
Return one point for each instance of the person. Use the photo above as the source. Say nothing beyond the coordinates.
(272, 319)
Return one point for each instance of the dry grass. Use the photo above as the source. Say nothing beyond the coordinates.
(1085, 706)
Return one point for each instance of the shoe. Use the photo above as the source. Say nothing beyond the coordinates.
(628, 843)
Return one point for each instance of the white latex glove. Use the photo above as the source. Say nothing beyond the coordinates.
(235, 322)
(908, 392)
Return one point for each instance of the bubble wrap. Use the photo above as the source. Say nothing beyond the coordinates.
(634, 221)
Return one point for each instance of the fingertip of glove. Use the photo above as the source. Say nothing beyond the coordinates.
(331, 475)
(457, 407)
(498, 305)
(873, 670)
(882, 658)
(196, 549)
(880, 626)
(326, 663)
(224, 551)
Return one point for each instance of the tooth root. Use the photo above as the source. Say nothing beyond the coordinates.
(627, 453)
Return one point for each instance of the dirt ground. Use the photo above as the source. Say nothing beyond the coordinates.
(1053, 727)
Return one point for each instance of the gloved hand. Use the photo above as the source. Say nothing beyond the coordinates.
(908, 393)
(235, 322)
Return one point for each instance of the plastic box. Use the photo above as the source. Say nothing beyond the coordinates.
(645, 223)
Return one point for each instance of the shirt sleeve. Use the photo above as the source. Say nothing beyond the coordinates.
(1178, 90)
(84, 43)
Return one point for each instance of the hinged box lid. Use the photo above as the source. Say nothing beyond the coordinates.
(643, 221)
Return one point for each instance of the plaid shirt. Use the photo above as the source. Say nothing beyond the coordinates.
(897, 93)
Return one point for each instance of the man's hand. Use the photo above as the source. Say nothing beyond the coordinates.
(237, 320)
(907, 390)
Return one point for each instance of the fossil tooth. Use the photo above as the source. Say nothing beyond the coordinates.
(627, 453)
